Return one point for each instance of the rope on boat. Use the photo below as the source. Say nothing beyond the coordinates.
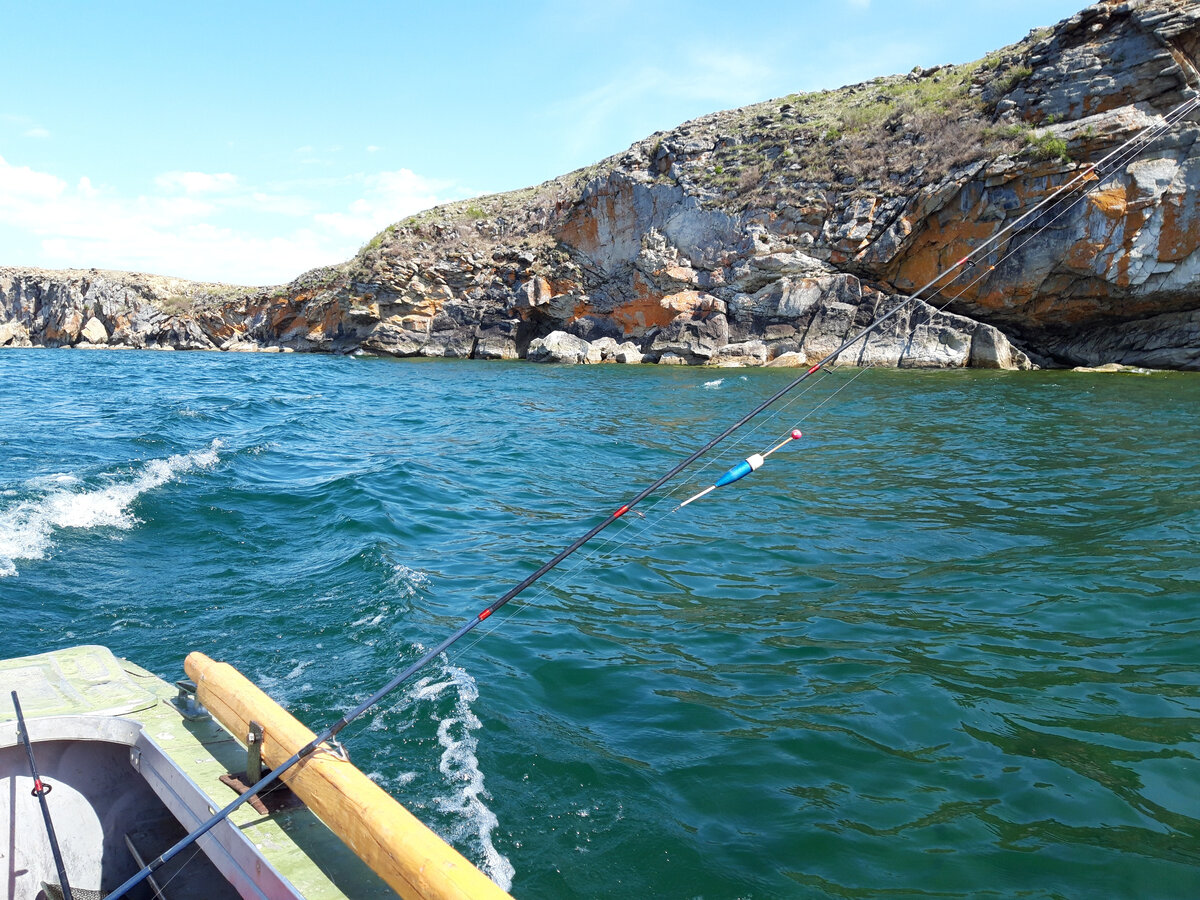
(1089, 178)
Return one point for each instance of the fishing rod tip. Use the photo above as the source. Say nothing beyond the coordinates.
(796, 435)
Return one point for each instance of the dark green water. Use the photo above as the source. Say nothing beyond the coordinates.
(946, 645)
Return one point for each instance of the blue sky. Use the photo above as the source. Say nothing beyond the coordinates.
(248, 142)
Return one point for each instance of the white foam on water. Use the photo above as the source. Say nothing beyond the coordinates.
(368, 620)
(713, 385)
(408, 580)
(27, 528)
(299, 670)
(52, 481)
(459, 766)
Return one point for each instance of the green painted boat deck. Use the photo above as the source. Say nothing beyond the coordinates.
(90, 680)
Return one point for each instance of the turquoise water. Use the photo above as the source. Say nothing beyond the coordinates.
(944, 645)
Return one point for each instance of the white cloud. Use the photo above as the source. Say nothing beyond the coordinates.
(204, 226)
(21, 184)
(277, 204)
(707, 77)
(29, 128)
(388, 196)
(197, 182)
(371, 148)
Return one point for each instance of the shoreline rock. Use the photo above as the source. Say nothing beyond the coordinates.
(767, 235)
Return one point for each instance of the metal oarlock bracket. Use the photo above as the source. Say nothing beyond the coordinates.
(254, 753)
(185, 702)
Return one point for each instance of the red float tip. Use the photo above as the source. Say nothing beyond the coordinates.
(796, 435)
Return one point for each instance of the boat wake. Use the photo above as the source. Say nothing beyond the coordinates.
(460, 770)
(28, 526)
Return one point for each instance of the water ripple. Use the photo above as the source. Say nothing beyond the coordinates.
(942, 646)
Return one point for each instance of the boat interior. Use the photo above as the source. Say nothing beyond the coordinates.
(106, 779)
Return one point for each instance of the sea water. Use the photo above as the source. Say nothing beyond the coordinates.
(945, 644)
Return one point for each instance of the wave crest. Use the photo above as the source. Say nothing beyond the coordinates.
(27, 527)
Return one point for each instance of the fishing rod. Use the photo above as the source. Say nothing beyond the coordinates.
(40, 790)
(329, 735)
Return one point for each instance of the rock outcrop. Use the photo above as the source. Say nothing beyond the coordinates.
(767, 235)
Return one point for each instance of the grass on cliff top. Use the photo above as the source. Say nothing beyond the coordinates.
(881, 136)
(510, 218)
(199, 297)
(875, 133)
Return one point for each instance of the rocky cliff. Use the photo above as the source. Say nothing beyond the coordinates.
(764, 235)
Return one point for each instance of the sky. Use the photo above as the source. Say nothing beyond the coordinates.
(249, 142)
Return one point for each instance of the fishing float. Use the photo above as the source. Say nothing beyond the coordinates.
(751, 463)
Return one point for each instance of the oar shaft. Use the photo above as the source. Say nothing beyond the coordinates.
(39, 791)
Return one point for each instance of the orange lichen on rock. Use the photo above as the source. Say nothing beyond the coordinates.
(1081, 255)
(218, 329)
(644, 311)
(681, 274)
(1112, 201)
(68, 330)
(282, 314)
(937, 249)
(1180, 234)
(640, 315)
(330, 321)
(581, 228)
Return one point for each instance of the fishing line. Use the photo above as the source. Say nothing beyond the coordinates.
(1121, 155)
(160, 891)
(328, 736)
(1124, 153)
(633, 528)
(1011, 250)
(637, 530)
